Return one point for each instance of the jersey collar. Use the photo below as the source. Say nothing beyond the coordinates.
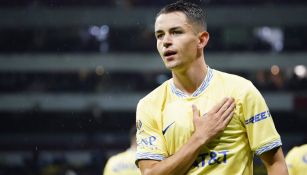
(199, 90)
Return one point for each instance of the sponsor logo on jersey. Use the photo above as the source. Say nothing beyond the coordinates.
(164, 130)
(258, 117)
(211, 158)
(147, 143)
(151, 140)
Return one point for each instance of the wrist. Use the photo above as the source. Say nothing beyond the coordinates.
(199, 139)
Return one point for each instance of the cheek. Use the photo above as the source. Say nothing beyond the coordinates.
(158, 45)
(190, 47)
(159, 48)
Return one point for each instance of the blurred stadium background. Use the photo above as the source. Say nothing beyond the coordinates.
(72, 71)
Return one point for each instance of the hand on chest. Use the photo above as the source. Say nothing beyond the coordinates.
(179, 114)
(177, 121)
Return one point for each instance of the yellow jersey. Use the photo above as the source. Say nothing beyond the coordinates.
(297, 160)
(122, 164)
(164, 123)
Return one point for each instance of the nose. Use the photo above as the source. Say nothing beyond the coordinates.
(167, 41)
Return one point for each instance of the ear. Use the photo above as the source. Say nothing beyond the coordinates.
(203, 38)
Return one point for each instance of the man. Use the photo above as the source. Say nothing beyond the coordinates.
(297, 160)
(123, 163)
(186, 125)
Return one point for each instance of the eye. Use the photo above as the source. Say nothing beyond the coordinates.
(159, 36)
(177, 32)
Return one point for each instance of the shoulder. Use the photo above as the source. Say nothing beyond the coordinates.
(116, 157)
(156, 96)
(234, 83)
(304, 147)
(119, 157)
(298, 149)
(231, 78)
(292, 154)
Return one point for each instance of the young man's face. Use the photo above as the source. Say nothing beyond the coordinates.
(176, 40)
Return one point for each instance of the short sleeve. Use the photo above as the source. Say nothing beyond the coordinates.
(260, 128)
(150, 140)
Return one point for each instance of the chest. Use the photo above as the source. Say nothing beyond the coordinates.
(177, 122)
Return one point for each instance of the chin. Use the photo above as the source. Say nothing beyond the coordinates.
(170, 66)
(173, 67)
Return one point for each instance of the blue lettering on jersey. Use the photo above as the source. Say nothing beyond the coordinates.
(149, 140)
(258, 117)
(211, 158)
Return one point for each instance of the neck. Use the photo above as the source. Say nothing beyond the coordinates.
(190, 79)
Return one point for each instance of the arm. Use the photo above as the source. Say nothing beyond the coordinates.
(274, 162)
(262, 135)
(206, 128)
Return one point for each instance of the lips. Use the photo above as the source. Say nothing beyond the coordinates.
(169, 53)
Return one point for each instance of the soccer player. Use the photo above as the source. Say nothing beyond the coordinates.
(124, 162)
(297, 160)
(201, 121)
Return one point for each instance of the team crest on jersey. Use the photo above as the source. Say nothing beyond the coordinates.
(138, 124)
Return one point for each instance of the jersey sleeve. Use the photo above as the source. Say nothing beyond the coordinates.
(150, 140)
(260, 128)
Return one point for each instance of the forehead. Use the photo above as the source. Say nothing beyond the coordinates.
(170, 20)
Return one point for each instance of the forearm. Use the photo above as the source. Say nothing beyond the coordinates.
(274, 162)
(278, 168)
(179, 163)
(206, 128)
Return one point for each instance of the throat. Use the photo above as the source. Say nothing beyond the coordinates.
(187, 87)
(190, 81)
(189, 90)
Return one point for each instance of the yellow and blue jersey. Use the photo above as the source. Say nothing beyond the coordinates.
(297, 160)
(165, 123)
(122, 164)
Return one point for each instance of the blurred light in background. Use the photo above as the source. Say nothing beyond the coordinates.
(99, 70)
(65, 107)
(273, 36)
(275, 70)
(101, 34)
(300, 71)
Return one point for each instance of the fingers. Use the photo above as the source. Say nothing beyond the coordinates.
(226, 107)
(228, 118)
(223, 109)
(227, 115)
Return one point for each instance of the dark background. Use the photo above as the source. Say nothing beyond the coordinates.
(72, 72)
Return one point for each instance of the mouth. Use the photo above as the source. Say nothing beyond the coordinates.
(169, 53)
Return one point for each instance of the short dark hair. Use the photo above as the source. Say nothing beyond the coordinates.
(193, 12)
